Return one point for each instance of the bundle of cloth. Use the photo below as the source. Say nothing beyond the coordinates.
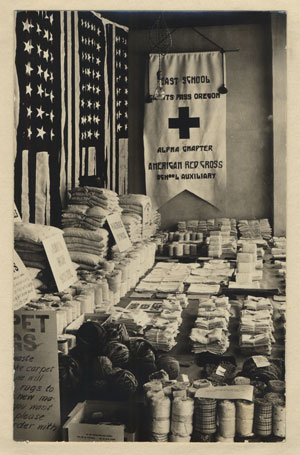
(86, 247)
(28, 240)
(83, 216)
(138, 204)
(94, 196)
(249, 229)
(210, 333)
(265, 229)
(256, 326)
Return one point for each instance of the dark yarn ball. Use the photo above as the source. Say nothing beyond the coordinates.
(264, 374)
(101, 367)
(123, 384)
(169, 364)
(161, 374)
(91, 337)
(69, 373)
(141, 348)
(117, 352)
(116, 332)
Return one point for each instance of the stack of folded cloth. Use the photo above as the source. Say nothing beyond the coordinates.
(210, 333)
(202, 226)
(28, 240)
(86, 247)
(84, 217)
(162, 334)
(211, 225)
(135, 321)
(233, 229)
(138, 204)
(192, 225)
(181, 226)
(133, 225)
(256, 326)
(279, 249)
(155, 222)
(215, 244)
(265, 229)
(93, 196)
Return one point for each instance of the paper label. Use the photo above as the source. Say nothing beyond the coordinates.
(23, 288)
(36, 394)
(229, 392)
(60, 262)
(17, 217)
(119, 232)
(220, 371)
(260, 361)
(146, 214)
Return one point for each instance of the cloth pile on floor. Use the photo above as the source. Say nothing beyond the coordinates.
(141, 205)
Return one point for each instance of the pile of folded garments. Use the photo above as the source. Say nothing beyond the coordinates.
(86, 247)
(211, 225)
(265, 229)
(210, 333)
(256, 326)
(279, 249)
(28, 241)
(135, 320)
(84, 217)
(215, 244)
(181, 226)
(165, 278)
(93, 196)
(141, 205)
(164, 329)
(155, 222)
(192, 225)
(202, 226)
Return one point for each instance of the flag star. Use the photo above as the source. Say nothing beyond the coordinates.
(125, 78)
(125, 126)
(83, 120)
(51, 116)
(83, 88)
(28, 89)
(125, 67)
(88, 87)
(51, 134)
(88, 71)
(51, 96)
(98, 61)
(81, 23)
(51, 76)
(118, 51)
(46, 55)
(89, 57)
(82, 103)
(92, 58)
(27, 26)
(46, 74)
(46, 34)
(118, 91)
(96, 119)
(118, 103)
(29, 111)
(96, 134)
(51, 19)
(124, 54)
(39, 50)
(29, 133)
(97, 104)
(89, 133)
(97, 75)
(51, 57)
(41, 132)
(40, 112)
(126, 102)
(117, 39)
(98, 31)
(118, 115)
(46, 15)
(98, 47)
(40, 71)
(119, 127)
(38, 30)
(50, 37)
(28, 68)
(28, 46)
(40, 91)
(46, 94)
(98, 90)
(125, 115)
(89, 103)
(89, 119)
(126, 91)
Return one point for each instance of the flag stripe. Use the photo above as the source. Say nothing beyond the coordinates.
(25, 188)
(63, 115)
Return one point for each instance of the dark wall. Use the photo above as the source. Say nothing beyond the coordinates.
(249, 122)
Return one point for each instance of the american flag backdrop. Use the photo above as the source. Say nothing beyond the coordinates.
(72, 96)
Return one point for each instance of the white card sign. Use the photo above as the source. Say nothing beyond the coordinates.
(60, 262)
(229, 392)
(36, 379)
(23, 287)
(119, 232)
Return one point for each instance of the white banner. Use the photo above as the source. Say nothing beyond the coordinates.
(185, 133)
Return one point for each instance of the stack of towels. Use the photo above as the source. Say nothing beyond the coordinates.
(138, 204)
(210, 333)
(256, 326)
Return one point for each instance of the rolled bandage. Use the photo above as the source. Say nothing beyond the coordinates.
(182, 416)
(279, 419)
(244, 417)
(160, 409)
(226, 418)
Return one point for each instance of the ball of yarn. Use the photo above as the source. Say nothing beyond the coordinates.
(141, 349)
(117, 352)
(123, 384)
(161, 374)
(264, 374)
(116, 332)
(101, 367)
(170, 365)
(91, 337)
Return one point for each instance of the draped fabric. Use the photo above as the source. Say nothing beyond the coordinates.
(71, 106)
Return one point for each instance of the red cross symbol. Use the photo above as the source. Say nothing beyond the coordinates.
(184, 122)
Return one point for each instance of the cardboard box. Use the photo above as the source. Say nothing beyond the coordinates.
(117, 420)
